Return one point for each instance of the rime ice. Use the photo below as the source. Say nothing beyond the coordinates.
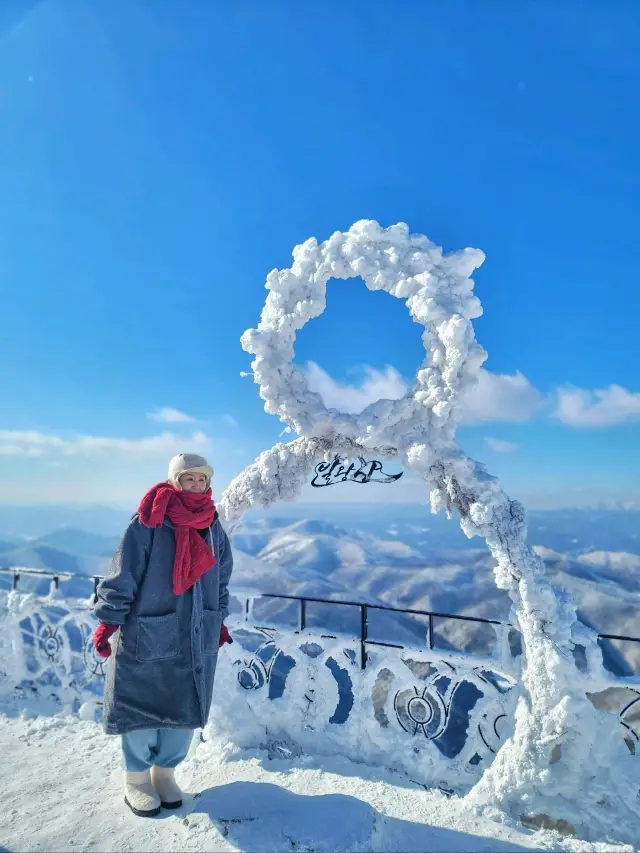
(561, 743)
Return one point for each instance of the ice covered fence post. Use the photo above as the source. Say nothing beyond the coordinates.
(560, 754)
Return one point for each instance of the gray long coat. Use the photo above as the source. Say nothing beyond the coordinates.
(161, 672)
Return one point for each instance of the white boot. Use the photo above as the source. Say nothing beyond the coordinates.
(140, 795)
(165, 784)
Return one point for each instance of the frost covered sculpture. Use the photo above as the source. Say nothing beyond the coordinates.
(563, 758)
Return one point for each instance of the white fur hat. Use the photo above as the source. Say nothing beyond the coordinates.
(184, 462)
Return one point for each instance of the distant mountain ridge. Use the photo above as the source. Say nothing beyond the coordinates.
(63, 550)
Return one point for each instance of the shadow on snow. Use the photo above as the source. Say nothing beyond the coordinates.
(260, 817)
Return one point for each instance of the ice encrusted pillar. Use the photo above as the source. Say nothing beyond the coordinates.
(565, 758)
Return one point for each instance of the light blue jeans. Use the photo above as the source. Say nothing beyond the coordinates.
(162, 747)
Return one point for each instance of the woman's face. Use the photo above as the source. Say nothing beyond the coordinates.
(193, 481)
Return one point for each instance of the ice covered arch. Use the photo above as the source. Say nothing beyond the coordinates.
(560, 755)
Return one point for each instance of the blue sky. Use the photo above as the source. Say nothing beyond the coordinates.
(159, 158)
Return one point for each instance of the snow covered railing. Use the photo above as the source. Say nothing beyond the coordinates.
(15, 574)
(452, 704)
(428, 694)
(84, 586)
(435, 714)
(46, 650)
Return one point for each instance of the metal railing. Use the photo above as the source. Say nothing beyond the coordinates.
(364, 609)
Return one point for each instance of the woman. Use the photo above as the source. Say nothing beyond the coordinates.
(165, 600)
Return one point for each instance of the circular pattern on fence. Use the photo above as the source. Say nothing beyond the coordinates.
(253, 675)
(93, 662)
(50, 644)
(421, 711)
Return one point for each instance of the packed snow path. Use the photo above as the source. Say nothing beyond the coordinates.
(61, 791)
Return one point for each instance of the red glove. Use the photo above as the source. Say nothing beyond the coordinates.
(101, 639)
(225, 636)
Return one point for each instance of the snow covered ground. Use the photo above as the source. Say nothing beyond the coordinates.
(61, 792)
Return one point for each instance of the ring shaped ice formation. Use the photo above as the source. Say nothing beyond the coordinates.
(439, 295)
(554, 716)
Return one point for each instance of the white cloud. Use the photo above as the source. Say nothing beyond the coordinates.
(230, 420)
(500, 446)
(501, 397)
(387, 384)
(497, 396)
(604, 407)
(618, 560)
(16, 443)
(170, 416)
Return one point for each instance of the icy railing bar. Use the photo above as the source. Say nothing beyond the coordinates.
(364, 624)
(618, 637)
(55, 576)
(381, 607)
(40, 572)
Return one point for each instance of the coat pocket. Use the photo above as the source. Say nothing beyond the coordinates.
(211, 624)
(157, 637)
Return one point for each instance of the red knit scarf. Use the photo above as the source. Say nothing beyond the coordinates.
(188, 512)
